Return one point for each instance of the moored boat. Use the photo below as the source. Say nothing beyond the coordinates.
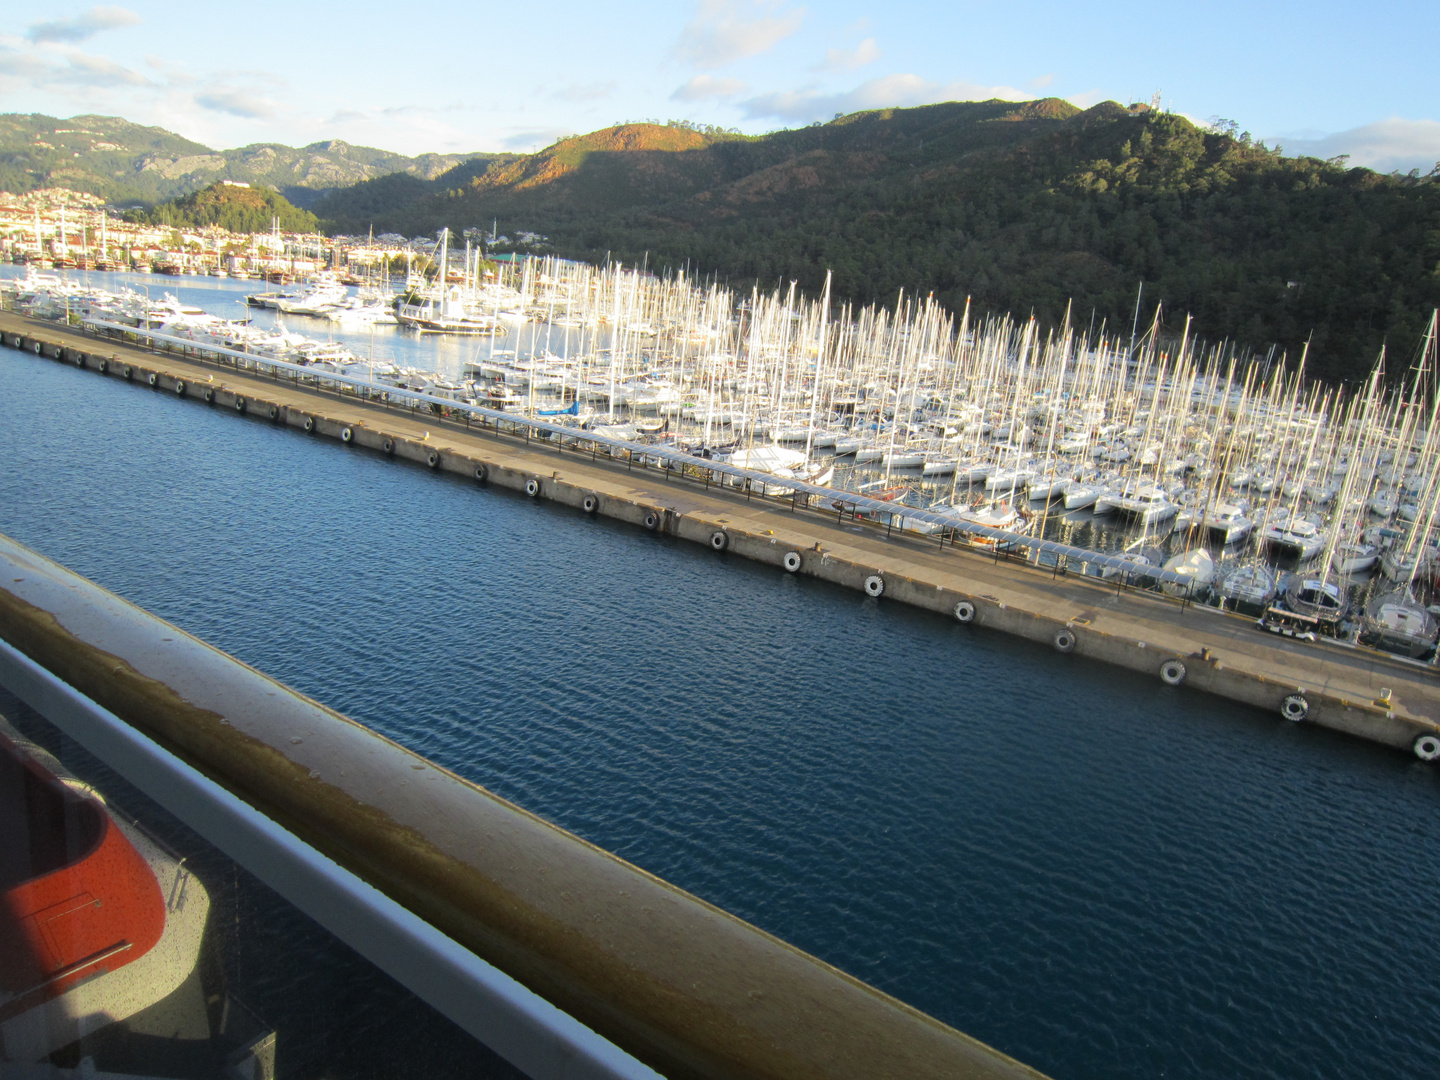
(1251, 583)
(1196, 565)
(1395, 622)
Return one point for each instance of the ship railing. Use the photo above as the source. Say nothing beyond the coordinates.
(563, 958)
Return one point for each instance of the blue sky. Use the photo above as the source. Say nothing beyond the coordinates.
(1321, 78)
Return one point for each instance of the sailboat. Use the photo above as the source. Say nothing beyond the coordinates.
(1316, 597)
(1196, 565)
(1395, 622)
(444, 308)
(1251, 583)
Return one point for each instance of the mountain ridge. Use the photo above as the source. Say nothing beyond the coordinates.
(1021, 207)
(124, 162)
(1012, 206)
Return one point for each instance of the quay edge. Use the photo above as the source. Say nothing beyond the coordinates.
(1356, 691)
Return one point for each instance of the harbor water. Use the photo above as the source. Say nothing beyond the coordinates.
(1099, 874)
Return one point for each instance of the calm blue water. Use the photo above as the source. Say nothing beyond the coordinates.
(1101, 875)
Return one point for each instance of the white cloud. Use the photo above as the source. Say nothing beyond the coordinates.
(1087, 98)
(83, 26)
(867, 52)
(707, 88)
(65, 69)
(889, 91)
(411, 110)
(89, 70)
(173, 74)
(723, 31)
(534, 140)
(1392, 145)
(1042, 82)
(23, 65)
(239, 103)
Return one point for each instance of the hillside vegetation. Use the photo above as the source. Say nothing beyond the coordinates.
(124, 162)
(239, 209)
(1023, 207)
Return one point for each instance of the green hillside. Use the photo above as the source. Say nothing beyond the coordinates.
(1024, 207)
(127, 163)
(238, 209)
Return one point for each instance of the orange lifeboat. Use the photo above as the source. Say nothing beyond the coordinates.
(97, 919)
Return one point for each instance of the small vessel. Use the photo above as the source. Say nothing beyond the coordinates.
(447, 314)
(1147, 503)
(1080, 495)
(272, 299)
(992, 514)
(1321, 599)
(903, 458)
(1295, 535)
(99, 919)
(1349, 559)
(357, 311)
(1047, 485)
(1250, 583)
(1227, 522)
(1197, 565)
(1407, 562)
(1141, 553)
(1397, 623)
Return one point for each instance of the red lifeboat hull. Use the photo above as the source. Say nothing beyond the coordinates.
(80, 903)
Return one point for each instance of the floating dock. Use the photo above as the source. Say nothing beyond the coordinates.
(1360, 691)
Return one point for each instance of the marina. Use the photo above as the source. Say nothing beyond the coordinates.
(1148, 449)
(1075, 601)
(1075, 862)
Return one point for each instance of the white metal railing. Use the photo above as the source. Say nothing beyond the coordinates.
(525, 1029)
(284, 786)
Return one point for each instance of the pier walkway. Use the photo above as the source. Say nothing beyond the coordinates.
(1352, 689)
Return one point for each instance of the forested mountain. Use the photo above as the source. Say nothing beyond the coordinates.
(1023, 207)
(124, 162)
(239, 209)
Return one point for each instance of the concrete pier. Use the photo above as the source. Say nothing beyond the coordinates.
(1352, 689)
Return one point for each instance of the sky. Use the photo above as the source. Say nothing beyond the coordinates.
(1321, 78)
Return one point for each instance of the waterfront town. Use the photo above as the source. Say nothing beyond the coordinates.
(60, 229)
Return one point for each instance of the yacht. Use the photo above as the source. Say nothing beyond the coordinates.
(1295, 536)
(1396, 623)
(1080, 495)
(1197, 566)
(449, 314)
(1404, 563)
(1226, 521)
(1047, 485)
(356, 311)
(1320, 599)
(1246, 583)
(1145, 502)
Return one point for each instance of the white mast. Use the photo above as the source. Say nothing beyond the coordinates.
(819, 367)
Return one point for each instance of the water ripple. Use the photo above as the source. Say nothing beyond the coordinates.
(1102, 875)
